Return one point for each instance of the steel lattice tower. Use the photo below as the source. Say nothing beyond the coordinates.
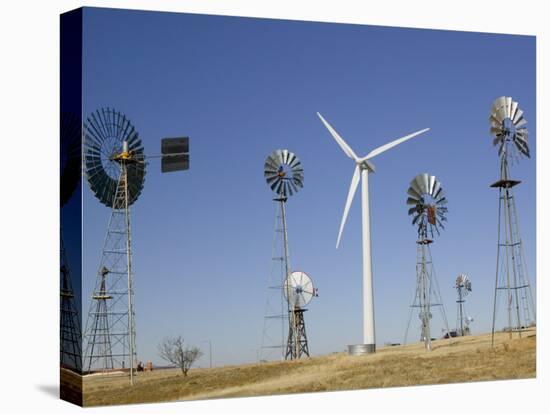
(284, 174)
(70, 354)
(426, 195)
(110, 329)
(277, 311)
(115, 170)
(512, 284)
(427, 295)
(463, 286)
(70, 332)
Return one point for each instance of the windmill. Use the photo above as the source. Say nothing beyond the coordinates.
(363, 167)
(69, 329)
(463, 286)
(285, 176)
(115, 169)
(508, 126)
(427, 207)
(298, 291)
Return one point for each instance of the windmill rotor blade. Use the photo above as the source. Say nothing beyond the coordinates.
(522, 134)
(279, 156)
(500, 114)
(293, 186)
(513, 110)
(498, 103)
(291, 158)
(351, 193)
(520, 123)
(508, 106)
(413, 193)
(289, 188)
(517, 116)
(392, 144)
(426, 183)
(494, 121)
(432, 183)
(295, 163)
(276, 186)
(437, 186)
(416, 188)
(303, 300)
(271, 164)
(418, 184)
(268, 171)
(522, 147)
(496, 131)
(520, 139)
(439, 194)
(284, 155)
(345, 147)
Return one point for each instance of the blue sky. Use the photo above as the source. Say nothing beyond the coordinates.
(241, 88)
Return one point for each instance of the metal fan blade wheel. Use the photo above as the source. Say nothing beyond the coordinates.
(507, 126)
(428, 201)
(298, 289)
(283, 172)
(109, 141)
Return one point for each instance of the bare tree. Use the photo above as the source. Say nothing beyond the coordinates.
(174, 351)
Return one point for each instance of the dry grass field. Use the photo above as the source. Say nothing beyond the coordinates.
(464, 359)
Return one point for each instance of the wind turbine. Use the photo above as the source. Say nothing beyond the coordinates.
(363, 166)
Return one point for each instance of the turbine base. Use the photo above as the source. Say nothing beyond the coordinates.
(361, 349)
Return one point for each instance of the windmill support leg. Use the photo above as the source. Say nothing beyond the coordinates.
(131, 331)
(368, 296)
(297, 345)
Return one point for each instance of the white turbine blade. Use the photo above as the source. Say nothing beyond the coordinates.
(345, 147)
(351, 193)
(392, 144)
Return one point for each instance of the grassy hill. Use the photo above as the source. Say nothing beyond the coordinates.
(464, 359)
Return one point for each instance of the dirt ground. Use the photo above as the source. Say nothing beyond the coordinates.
(463, 359)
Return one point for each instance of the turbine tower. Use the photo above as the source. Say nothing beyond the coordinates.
(363, 167)
(508, 126)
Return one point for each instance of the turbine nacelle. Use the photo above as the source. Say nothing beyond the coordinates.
(366, 165)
